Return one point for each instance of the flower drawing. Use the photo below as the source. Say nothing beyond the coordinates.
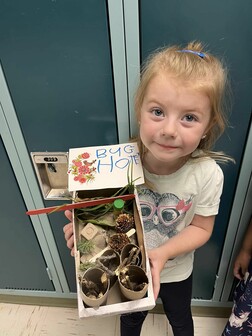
(82, 169)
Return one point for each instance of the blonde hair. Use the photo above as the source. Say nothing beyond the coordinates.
(201, 71)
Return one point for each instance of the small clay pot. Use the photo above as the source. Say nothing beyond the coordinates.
(131, 255)
(94, 286)
(133, 282)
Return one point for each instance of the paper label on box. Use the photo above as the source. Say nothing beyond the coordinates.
(101, 167)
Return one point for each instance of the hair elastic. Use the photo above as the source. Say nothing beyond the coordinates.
(198, 53)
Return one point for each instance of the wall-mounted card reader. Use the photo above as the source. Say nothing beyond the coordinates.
(51, 170)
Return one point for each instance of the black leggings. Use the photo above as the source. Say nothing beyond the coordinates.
(176, 299)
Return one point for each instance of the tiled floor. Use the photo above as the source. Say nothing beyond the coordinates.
(30, 320)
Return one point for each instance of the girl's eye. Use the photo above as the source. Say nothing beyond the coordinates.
(190, 118)
(157, 112)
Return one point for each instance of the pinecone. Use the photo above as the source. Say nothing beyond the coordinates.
(117, 241)
(124, 223)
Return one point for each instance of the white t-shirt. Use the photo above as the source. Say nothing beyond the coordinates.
(171, 205)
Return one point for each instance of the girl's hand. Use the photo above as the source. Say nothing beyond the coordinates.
(157, 264)
(68, 231)
(243, 259)
(241, 264)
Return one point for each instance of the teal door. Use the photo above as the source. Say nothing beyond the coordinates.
(57, 63)
(21, 260)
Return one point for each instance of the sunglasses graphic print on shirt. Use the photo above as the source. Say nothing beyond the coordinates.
(162, 212)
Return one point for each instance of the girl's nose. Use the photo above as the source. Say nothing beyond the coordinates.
(169, 128)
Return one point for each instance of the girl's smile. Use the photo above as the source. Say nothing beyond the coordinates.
(174, 118)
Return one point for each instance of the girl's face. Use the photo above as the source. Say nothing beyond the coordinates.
(173, 119)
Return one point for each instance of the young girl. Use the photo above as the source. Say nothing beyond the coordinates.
(240, 321)
(179, 108)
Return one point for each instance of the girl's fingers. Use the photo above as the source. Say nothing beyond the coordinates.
(68, 232)
(70, 242)
(69, 215)
(72, 252)
(68, 228)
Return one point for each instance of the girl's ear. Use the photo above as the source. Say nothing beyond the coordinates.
(209, 127)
